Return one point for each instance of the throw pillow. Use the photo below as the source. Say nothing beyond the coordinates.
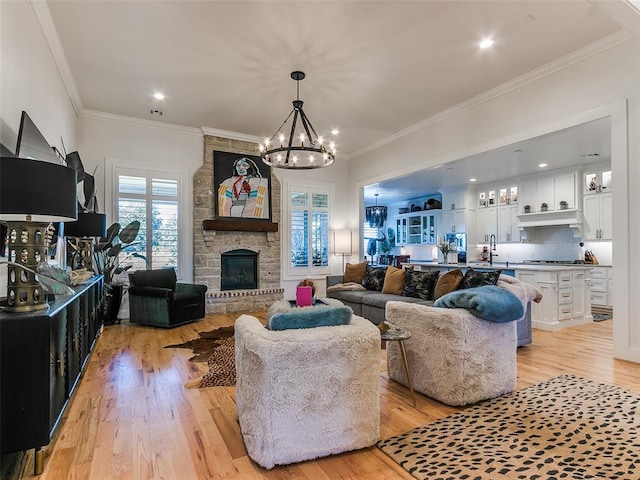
(448, 282)
(284, 316)
(374, 278)
(393, 281)
(354, 273)
(487, 302)
(474, 278)
(420, 284)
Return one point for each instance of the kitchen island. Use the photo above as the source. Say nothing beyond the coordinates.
(566, 289)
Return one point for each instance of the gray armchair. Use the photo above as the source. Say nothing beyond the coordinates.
(157, 299)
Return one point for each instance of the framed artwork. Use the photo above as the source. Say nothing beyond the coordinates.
(243, 186)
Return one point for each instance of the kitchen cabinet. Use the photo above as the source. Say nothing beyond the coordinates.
(417, 228)
(566, 300)
(601, 286)
(42, 354)
(550, 190)
(508, 224)
(486, 224)
(454, 221)
(598, 179)
(598, 213)
(456, 207)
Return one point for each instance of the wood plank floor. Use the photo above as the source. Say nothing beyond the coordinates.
(131, 418)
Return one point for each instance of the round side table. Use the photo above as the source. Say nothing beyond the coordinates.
(397, 335)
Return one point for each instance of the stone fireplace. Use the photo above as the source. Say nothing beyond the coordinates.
(212, 247)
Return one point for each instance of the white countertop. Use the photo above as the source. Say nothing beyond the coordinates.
(503, 266)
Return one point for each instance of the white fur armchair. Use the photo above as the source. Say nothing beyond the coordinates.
(453, 356)
(307, 393)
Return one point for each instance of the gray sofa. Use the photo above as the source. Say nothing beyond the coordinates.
(371, 305)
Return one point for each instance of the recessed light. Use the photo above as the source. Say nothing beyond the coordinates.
(473, 179)
(158, 96)
(335, 131)
(486, 43)
(542, 165)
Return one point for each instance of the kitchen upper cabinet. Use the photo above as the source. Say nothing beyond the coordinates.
(454, 221)
(546, 193)
(565, 191)
(598, 213)
(550, 190)
(417, 228)
(597, 180)
(401, 230)
(508, 224)
(486, 224)
(429, 228)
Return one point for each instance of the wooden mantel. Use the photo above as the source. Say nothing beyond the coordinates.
(239, 225)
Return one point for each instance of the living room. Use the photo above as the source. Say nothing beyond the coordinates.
(601, 81)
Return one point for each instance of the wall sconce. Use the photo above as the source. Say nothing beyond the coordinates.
(342, 243)
(88, 225)
(33, 193)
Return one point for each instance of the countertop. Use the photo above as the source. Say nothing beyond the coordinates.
(504, 266)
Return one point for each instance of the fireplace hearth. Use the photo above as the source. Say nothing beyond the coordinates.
(239, 270)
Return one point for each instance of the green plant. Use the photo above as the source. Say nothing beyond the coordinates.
(387, 242)
(114, 255)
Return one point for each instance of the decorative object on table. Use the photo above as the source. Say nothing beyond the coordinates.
(83, 232)
(376, 215)
(307, 282)
(114, 255)
(544, 207)
(564, 205)
(312, 151)
(33, 193)
(455, 440)
(445, 248)
(527, 209)
(304, 297)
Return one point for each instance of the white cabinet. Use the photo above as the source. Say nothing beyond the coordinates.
(566, 297)
(454, 200)
(601, 283)
(486, 224)
(508, 224)
(549, 190)
(597, 180)
(564, 192)
(416, 228)
(454, 221)
(598, 212)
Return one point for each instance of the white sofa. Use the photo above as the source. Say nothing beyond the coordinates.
(453, 356)
(307, 393)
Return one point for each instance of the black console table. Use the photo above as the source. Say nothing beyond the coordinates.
(42, 355)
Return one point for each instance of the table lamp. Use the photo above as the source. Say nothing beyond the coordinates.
(88, 226)
(33, 193)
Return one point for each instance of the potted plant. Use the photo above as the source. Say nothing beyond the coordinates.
(544, 207)
(112, 256)
(527, 209)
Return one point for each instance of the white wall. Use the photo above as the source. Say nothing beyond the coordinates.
(600, 85)
(29, 81)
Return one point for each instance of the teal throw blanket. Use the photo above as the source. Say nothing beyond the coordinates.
(487, 302)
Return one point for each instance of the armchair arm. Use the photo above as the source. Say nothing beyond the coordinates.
(151, 292)
(334, 280)
(192, 288)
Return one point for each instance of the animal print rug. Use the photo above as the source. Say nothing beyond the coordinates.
(565, 428)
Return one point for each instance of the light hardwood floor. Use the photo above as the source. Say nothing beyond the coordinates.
(131, 418)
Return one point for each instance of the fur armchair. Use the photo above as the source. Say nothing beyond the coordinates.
(453, 356)
(307, 393)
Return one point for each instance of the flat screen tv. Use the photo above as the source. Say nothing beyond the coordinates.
(32, 144)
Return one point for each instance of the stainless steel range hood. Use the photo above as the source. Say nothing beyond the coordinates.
(570, 217)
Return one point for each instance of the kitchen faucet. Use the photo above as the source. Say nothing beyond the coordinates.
(492, 248)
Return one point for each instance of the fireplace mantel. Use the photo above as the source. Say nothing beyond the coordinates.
(239, 225)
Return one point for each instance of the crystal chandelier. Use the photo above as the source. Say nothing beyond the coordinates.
(376, 216)
(310, 152)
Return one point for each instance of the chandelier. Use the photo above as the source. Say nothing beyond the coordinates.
(310, 151)
(376, 216)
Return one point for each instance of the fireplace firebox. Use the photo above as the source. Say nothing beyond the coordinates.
(239, 270)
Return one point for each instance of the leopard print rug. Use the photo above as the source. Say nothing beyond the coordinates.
(566, 428)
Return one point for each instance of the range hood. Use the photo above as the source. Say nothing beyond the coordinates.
(570, 217)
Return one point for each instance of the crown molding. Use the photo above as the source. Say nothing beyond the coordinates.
(561, 63)
(243, 137)
(139, 122)
(50, 33)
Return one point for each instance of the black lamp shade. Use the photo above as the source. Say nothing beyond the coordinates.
(46, 191)
(88, 225)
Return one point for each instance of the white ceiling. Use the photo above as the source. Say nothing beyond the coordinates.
(373, 67)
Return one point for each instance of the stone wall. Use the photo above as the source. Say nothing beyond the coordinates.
(209, 245)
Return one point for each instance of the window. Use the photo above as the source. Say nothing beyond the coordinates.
(307, 250)
(370, 243)
(152, 199)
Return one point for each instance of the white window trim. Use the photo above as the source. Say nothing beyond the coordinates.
(289, 186)
(185, 221)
